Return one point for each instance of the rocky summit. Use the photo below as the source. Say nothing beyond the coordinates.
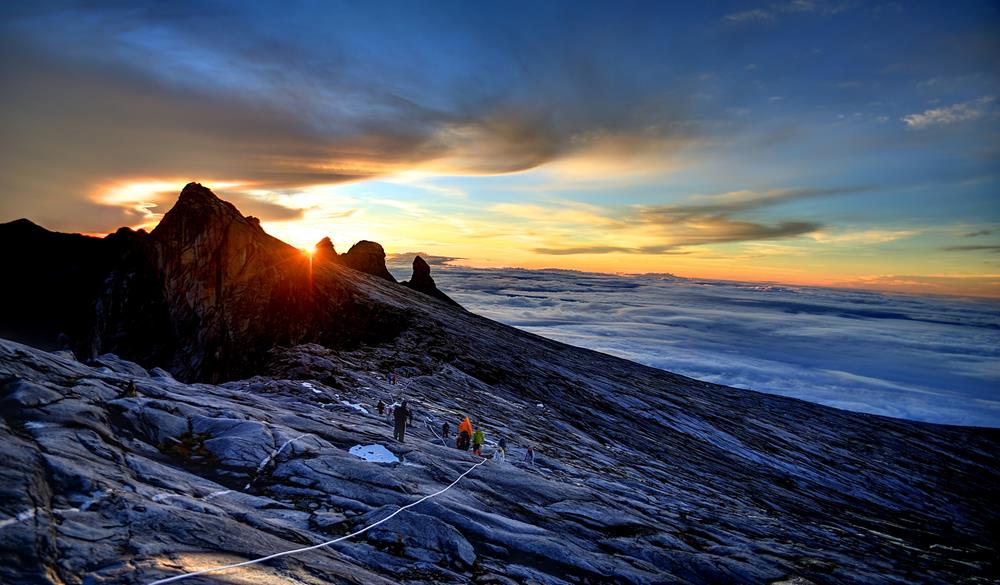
(238, 420)
(423, 282)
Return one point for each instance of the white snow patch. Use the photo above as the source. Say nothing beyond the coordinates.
(356, 407)
(159, 498)
(311, 387)
(19, 518)
(216, 494)
(35, 425)
(374, 453)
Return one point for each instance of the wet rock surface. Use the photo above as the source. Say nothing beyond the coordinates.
(640, 476)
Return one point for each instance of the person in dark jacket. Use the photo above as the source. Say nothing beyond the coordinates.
(463, 440)
(403, 417)
(445, 430)
(381, 407)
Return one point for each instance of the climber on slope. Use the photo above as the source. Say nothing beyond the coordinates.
(381, 407)
(464, 438)
(445, 430)
(478, 438)
(402, 416)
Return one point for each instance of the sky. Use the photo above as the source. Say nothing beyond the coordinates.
(809, 142)
(916, 357)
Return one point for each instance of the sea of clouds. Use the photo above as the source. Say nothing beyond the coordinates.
(920, 358)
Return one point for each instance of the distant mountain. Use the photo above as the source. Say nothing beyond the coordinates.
(119, 472)
(206, 294)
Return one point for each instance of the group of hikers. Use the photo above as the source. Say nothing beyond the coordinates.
(402, 416)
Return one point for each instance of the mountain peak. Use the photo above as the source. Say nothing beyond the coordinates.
(23, 225)
(197, 192)
(324, 249)
(369, 257)
(197, 209)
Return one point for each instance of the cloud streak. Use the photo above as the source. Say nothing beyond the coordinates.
(961, 112)
(702, 220)
(772, 12)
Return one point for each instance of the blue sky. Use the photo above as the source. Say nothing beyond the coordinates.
(840, 143)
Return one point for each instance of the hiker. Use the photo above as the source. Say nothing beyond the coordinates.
(131, 391)
(529, 457)
(464, 438)
(392, 378)
(499, 455)
(445, 430)
(503, 443)
(381, 407)
(478, 438)
(402, 416)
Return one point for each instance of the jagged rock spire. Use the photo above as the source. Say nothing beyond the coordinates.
(324, 250)
(421, 281)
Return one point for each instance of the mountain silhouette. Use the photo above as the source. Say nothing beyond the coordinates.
(206, 294)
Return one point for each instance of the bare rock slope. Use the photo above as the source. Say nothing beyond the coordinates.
(119, 472)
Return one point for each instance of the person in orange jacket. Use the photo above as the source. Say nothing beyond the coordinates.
(464, 438)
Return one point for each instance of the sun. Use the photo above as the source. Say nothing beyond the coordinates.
(308, 252)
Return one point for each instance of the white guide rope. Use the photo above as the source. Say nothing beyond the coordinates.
(431, 427)
(320, 545)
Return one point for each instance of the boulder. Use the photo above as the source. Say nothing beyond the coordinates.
(368, 257)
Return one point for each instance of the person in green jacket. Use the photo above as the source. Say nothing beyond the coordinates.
(477, 441)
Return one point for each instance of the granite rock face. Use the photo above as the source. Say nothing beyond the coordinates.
(115, 474)
(118, 469)
(205, 295)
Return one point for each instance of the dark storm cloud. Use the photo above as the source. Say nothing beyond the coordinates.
(740, 201)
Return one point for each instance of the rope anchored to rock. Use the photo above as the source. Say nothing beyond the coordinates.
(320, 545)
